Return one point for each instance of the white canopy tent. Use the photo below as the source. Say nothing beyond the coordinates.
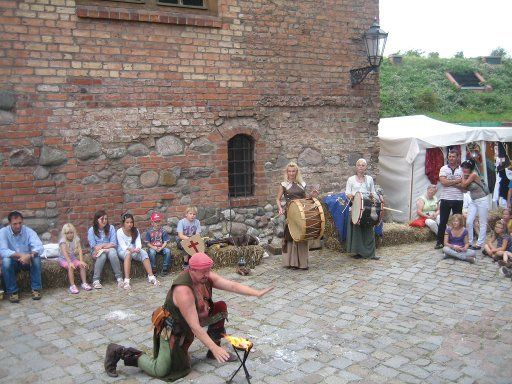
(403, 142)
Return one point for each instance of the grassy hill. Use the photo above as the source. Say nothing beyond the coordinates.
(419, 86)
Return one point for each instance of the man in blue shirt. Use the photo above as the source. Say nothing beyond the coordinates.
(20, 248)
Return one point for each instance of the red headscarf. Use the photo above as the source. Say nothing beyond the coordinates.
(200, 260)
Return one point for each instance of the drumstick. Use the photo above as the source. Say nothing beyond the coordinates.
(391, 209)
(344, 202)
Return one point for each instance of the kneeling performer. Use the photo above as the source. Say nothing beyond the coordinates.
(190, 308)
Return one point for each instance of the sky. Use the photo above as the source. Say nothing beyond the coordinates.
(474, 27)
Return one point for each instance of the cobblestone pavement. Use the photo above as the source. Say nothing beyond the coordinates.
(410, 317)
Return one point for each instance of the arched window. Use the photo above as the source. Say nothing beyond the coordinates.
(241, 166)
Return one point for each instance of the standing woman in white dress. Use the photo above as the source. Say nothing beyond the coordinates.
(361, 239)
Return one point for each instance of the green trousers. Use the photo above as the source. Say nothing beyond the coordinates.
(169, 364)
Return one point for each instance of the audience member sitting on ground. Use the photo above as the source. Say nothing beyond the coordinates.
(157, 239)
(507, 220)
(427, 208)
(20, 248)
(130, 247)
(456, 242)
(501, 238)
(71, 257)
(103, 243)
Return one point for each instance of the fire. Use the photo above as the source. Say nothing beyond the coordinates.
(239, 342)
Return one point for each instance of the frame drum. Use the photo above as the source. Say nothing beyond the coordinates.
(365, 210)
(306, 220)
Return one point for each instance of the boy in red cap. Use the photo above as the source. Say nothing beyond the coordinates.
(157, 239)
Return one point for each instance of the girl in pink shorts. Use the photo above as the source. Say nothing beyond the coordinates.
(71, 257)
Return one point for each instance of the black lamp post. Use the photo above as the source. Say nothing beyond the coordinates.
(375, 41)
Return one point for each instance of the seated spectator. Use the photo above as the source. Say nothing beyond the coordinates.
(71, 257)
(130, 247)
(103, 243)
(507, 220)
(502, 240)
(427, 209)
(157, 239)
(187, 227)
(456, 241)
(20, 248)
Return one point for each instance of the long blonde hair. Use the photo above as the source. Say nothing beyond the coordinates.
(75, 243)
(298, 177)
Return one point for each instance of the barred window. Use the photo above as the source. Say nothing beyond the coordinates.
(241, 166)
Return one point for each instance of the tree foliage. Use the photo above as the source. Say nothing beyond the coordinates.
(498, 51)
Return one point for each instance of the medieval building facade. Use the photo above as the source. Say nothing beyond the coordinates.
(152, 105)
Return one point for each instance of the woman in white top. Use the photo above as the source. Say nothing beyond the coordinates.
(361, 239)
(129, 247)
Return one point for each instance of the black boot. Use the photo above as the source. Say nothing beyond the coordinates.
(112, 356)
(131, 357)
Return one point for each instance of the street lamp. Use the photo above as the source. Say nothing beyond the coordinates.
(375, 41)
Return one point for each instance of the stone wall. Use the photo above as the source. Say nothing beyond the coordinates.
(132, 111)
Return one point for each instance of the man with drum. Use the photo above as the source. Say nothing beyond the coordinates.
(295, 253)
(361, 238)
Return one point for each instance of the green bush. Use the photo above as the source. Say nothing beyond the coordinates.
(420, 86)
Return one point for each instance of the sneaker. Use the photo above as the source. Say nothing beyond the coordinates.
(73, 289)
(126, 285)
(165, 272)
(471, 260)
(438, 246)
(14, 298)
(507, 272)
(153, 280)
(86, 287)
(120, 282)
(96, 284)
(36, 295)
(475, 247)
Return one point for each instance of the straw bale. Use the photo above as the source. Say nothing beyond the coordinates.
(53, 276)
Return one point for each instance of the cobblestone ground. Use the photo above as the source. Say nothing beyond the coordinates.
(409, 318)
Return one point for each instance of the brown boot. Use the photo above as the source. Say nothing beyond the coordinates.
(112, 356)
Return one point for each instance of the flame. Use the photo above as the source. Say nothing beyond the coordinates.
(239, 342)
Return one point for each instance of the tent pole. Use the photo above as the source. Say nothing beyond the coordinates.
(410, 193)
(483, 149)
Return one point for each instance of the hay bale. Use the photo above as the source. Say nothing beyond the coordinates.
(54, 276)
(394, 234)
(230, 255)
(400, 233)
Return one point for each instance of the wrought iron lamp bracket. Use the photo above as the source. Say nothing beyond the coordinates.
(359, 74)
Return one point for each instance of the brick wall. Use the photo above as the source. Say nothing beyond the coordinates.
(97, 111)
